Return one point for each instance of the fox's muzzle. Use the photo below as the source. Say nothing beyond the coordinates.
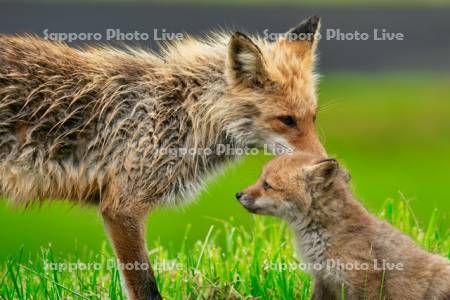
(247, 202)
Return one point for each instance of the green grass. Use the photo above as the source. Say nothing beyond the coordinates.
(391, 131)
(230, 262)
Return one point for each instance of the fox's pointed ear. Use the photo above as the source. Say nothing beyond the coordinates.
(346, 175)
(306, 31)
(245, 63)
(303, 39)
(323, 172)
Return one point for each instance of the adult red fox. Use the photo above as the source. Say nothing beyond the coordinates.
(97, 125)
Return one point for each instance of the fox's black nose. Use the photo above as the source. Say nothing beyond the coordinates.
(239, 195)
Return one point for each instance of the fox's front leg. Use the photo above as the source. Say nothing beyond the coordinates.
(127, 233)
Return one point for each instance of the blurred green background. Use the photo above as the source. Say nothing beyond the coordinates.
(391, 130)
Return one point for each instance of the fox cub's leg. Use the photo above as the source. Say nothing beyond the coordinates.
(127, 233)
(322, 292)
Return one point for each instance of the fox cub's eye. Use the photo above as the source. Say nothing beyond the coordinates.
(288, 121)
(266, 186)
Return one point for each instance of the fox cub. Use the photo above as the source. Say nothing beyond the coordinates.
(358, 254)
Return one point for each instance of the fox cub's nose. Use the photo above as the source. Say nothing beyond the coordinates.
(239, 195)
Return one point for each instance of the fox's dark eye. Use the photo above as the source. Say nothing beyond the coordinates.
(314, 118)
(266, 186)
(288, 121)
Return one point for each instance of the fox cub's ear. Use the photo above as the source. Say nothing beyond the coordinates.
(323, 172)
(245, 63)
(346, 175)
